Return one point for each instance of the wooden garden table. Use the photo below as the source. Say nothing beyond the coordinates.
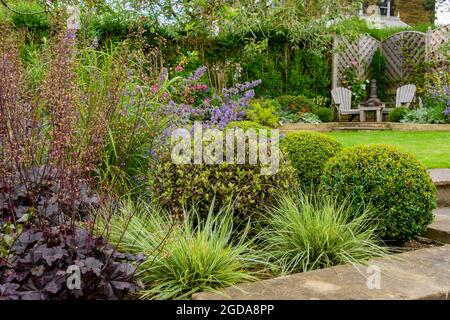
(377, 109)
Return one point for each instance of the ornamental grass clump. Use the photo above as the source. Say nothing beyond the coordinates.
(305, 232)
(183, 258)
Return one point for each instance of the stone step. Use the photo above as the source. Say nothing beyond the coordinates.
(440, 228)
(420, 274)
(441, 179)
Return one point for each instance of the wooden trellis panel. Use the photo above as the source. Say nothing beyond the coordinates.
(435, 40)
(402, 51)
(361, 51)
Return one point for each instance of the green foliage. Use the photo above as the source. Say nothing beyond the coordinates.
(39, 24)
(357, 26)
(309, 74)
(324, 114)
(378, 72)
(394, 182)
(431, 114)
(296, 104)
(308, 152)
(309, 117)
(308, 232)
(111, 26)
(263, 66)
(322, 101)
(283, 69)
(397, 114)
(2, 15)
(242, 184)
(244, 125)
(263, 111)
(183, 258)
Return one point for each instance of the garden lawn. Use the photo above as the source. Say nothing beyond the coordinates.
(430, 148)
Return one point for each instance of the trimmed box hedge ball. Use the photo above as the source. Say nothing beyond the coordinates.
(308, 152)
(395, 183)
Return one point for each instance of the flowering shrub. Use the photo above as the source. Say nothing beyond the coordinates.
(192, 100)
(438, 99)
(353, 82)
(296, 104)
(436, 103)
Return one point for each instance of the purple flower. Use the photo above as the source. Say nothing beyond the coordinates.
(71, 33)
(197, 74)
(164, 75)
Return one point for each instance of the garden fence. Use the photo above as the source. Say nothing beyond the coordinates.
(402, 51)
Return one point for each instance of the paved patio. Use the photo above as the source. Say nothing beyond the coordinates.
(420, 274)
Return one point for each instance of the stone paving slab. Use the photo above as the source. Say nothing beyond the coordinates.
(420, 274)
(440, 176)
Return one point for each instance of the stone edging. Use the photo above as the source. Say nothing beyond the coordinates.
(330, 126)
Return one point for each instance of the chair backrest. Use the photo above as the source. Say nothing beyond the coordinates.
(342, 97)
(405, 95)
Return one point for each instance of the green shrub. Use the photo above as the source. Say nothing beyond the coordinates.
(308, 152)
(308, 73)
(177, 185)
(394, 182)
(263, 111)
(324, 114)
(183, 258)
(397, 114)
(244, 125)
(296, 103)
(378, 72)
(307, 232)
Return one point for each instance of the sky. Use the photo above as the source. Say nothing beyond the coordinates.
(443, 13)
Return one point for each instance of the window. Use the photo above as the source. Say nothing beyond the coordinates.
(387, 8)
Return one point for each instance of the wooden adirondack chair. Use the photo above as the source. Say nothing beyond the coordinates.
(342, 98)
(405, 96)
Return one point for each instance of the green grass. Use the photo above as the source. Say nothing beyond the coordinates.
(432, 149)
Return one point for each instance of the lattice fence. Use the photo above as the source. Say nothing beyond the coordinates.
(401, 51)
(436, 39)
(346, 51)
